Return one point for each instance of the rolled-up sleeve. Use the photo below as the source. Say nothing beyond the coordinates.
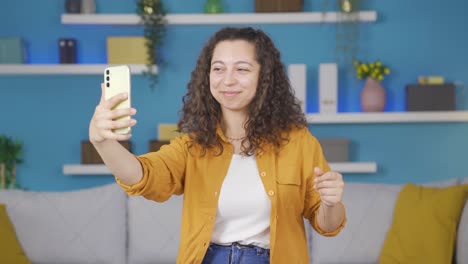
(163, 172)
(312, 203)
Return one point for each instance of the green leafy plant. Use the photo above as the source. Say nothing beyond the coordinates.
(153, 16)
(10, 156)
(347, 36)
(375, 70)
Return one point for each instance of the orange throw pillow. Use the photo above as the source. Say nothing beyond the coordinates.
(424, 225)
(11, 250)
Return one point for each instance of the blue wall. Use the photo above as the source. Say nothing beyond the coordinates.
(51, 113)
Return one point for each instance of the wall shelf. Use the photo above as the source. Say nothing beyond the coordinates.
(230, 18)
(99, 169)
(353, 167)
(85, 169)
(60, 69)
(389, 117)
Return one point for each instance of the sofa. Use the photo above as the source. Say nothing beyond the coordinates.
(103, 225)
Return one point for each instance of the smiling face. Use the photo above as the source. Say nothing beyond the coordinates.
(234, 74)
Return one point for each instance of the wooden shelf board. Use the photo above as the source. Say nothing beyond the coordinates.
(60, 69)
(229, 18)
(388, 117)
(100, 169)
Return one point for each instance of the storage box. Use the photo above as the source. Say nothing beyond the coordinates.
(297, 74)
(433, 97)
(166, 132)
(89, 155)
(126, 50)
(279, 5)
(328, 88)
(155, 145)
(12, 51)
(335, 149)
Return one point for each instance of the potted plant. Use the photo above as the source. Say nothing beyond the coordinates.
(10, 156)
(347, 29)
(373, 94)
(153, 16)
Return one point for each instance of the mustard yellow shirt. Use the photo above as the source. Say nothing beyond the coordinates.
(287, 177)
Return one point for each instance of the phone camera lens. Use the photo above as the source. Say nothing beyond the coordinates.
(107, 78)
(107, 71)
(107, 84)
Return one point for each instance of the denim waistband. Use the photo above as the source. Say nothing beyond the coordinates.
(257, 249)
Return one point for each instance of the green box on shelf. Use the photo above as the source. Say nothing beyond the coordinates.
(12, 51)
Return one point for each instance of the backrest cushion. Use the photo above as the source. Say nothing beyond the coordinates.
(369, 209)
(154, 230)
(369, 212)
(82, 226)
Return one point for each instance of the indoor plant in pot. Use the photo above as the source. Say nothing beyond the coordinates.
(373, 96)
(10, 156)
(153, 16)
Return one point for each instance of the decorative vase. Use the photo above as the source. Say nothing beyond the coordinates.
(88, 6)
(348, 6)
(213, 7)
(373, 96)
(73, 6)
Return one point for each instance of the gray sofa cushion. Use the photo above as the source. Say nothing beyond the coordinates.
(462, 235)
(369, 209)
(85, 226)
(154, 230)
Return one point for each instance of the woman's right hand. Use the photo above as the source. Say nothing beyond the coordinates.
(103, 121)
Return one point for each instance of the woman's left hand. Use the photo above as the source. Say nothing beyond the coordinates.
(330, 186)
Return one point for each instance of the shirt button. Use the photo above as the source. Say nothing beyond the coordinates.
(271, 192)
(263, 174)
(216, 194)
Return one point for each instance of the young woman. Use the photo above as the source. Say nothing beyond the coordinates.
(248, 167)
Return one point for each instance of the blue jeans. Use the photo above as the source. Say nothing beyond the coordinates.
(236, 254)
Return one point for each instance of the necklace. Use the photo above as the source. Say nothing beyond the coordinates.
(235, 139)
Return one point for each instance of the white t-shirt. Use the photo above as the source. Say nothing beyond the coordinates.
(243, 214)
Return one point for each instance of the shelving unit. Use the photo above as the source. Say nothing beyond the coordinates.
(389, 117)
(269, 18)
(230, 18)
(98, 169)
(60, 69)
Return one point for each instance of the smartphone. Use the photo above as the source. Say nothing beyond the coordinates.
(117, 80)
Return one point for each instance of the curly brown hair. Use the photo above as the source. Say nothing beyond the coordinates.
(273, 110)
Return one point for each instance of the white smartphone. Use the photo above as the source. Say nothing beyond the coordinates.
(117, 80)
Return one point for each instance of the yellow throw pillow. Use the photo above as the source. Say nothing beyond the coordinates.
(10, 248)
(424, 225)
